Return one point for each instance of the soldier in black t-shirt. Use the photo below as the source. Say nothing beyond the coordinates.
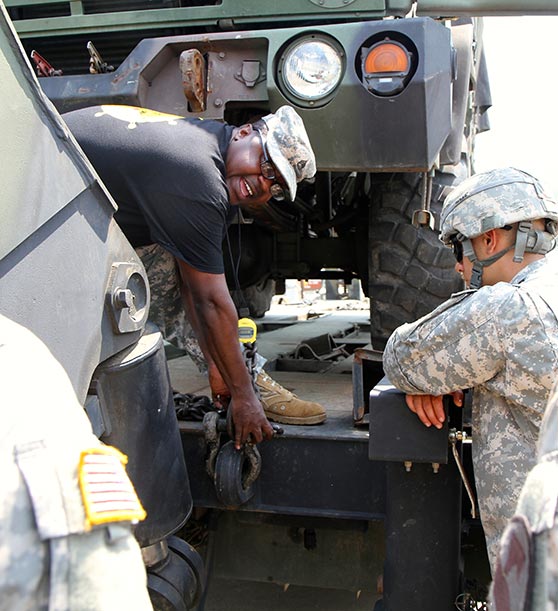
(176, 182)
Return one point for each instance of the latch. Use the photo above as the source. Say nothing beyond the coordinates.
(42, 67)
(424, 217)
(96, 63)
(454, 437)
(128, 297)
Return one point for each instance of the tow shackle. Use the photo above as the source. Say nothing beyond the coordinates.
(233, 471)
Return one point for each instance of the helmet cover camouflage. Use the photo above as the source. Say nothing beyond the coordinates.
(493, 199)
(289, 147)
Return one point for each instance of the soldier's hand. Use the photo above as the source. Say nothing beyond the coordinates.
(430, 408)
(250, 423)
(219, 390)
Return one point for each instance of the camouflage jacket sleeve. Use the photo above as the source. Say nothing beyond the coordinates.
(458, 345)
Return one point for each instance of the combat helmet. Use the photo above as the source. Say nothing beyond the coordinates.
(499, 199)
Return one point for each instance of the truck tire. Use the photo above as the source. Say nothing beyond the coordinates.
(257, 297)
(248, 258)
(410, 270)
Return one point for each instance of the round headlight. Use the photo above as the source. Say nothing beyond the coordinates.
(312, 69)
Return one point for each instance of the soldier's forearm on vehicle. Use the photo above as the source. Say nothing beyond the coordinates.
(456, 346)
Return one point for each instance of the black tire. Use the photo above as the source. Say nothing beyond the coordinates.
(257, 297)
(410, 270)
(189, 554)
(247, 264)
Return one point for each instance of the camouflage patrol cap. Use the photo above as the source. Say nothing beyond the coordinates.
(289, 147)
(493, 199)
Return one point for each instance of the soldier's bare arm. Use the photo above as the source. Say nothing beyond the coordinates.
(216, 324)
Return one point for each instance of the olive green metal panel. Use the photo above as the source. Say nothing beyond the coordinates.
(32, 150)
(355, 130)
(59, 244)
(487, 7)
(229, 13)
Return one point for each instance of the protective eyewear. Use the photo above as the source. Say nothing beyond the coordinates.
(268, 171)
(457, 248)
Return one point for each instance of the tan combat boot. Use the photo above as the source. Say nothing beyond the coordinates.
(280, 405)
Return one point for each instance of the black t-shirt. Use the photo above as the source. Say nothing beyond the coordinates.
(167, 175)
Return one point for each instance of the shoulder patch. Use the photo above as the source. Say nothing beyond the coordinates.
(107, 492)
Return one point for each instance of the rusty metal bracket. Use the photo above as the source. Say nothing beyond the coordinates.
(212, 440)
(192, 67)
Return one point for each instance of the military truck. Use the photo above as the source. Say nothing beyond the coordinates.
(392, 102)
(393, 94)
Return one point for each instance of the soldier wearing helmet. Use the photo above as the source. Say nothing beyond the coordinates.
(498, 200)
(499, 337)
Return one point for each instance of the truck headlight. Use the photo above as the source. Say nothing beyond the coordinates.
(310, 69)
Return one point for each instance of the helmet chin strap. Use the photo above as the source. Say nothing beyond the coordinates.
(478, 266)
(527, 240)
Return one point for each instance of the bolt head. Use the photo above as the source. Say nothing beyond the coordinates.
(123, 298)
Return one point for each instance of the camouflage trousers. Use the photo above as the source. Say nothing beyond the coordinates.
(166, 309)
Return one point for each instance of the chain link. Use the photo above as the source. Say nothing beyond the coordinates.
(250, 358)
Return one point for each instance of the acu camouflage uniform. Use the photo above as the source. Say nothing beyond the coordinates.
(166, 308)
(501, 340)
(527, 570)
(50, 558)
